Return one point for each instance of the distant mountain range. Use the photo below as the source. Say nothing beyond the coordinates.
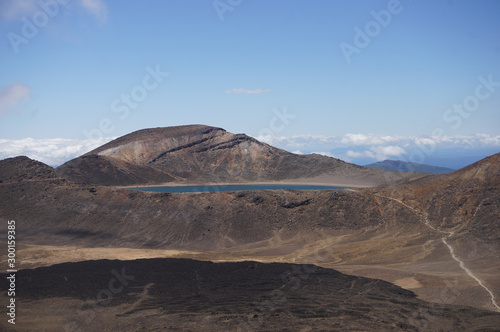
(403, 166)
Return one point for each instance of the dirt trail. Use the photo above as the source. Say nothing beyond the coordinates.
(492, 296)
(425, 218)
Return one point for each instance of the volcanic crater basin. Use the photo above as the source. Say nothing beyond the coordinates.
(436, 235)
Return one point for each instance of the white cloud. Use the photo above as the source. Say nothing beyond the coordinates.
(52, 151)
(351, 146)
(11, 95)
(17, 9)
(425, 141)
(372, 140)
(384, 152)
(96, 8)
(362, 154)
(360, 139)
(354, 139)
(269, 139)
(248, 91)
(378, 152)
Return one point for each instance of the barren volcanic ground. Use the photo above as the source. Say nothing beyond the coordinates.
(435, 235)
(186, 295)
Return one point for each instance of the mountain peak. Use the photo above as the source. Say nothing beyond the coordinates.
(22, 168)
(201, 154)
(155, 134)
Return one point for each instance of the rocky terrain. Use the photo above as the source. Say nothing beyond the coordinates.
(436, 235)
(186, 295)
(466, 199)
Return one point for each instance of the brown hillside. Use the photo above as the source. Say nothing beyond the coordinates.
(201, 154)
(404, 233)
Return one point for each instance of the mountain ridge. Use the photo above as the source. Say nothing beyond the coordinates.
(201, 154)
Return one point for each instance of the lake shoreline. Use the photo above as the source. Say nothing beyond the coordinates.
(287, 183)
(236, 187)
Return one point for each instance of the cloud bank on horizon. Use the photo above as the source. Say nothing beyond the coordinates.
(51, 151)
(364, 149)
(357, 148)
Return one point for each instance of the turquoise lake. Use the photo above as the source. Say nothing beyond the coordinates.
(234, 187)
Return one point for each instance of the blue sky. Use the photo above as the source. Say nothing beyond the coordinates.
(303, 75)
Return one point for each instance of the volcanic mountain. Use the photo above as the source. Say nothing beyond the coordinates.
(435, 235)
(203, 154)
